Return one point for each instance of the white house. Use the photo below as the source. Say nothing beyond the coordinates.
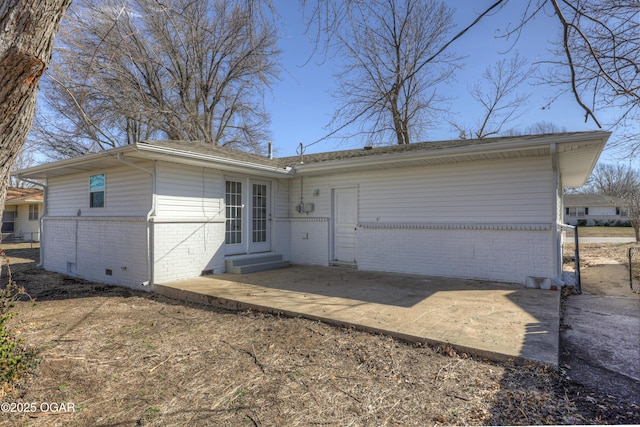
(21, 215)
(592, 209)
(158, 211)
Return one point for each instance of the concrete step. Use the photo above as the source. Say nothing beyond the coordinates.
(252, 259)
(252, 264)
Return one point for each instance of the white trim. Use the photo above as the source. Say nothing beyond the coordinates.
(301, 219)
(456, 226)
(236, 165)
(187, 220)
(510, 145)
(96, 218)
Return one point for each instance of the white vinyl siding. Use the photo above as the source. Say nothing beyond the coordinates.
(515, 191)
(34, 212)
(25, 227)
(489, 191)
(603, 211)
(485, 219)
(127, 193)
(281, 226)
(188, 192)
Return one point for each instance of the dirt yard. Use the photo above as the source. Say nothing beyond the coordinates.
(114, 356)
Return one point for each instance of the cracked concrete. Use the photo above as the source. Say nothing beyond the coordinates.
(601, 332)
(494, 320)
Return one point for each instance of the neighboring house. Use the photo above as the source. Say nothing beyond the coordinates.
(159, 211)
(21, 215)
(592, 209)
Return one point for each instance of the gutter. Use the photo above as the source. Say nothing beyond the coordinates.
(553, 149)
(497, 147)
(148, 216)
(60, 164)
(41, 219)
(237, 165)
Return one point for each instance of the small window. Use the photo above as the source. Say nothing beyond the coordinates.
(8, 218)
(96, 191)
(577, 211)
(33, 212)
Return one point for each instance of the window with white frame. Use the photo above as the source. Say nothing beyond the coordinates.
(96, 191)
(577, 212)
(33, 212)
(233, 201)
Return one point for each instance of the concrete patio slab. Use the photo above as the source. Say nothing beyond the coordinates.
(601, 338)
(493, 320)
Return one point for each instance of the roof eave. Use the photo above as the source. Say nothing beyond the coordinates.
(150, 152)
(22, 202)
(159, 153)
(575, 172)
(41, 171)
(508, 146)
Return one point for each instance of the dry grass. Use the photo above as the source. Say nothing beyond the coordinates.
(594, 254)
(604, 232)
(125, 358)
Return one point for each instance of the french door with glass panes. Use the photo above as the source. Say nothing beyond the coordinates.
(248, 216)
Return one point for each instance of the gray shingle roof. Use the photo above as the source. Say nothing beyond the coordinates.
(423, 147)
(586, 200)
(212, 150)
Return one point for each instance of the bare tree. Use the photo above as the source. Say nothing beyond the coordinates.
(598, 59)
(28, 29)
(24, 159)
(537, 128)
(382, 85)
(621, 184)
(544, 127)
(497, 96)
(599, 50)
(129, 70)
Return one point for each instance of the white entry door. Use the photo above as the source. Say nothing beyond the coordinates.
(248, 216)
(345, 222)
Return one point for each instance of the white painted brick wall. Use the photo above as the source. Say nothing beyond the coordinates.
(58, 244)
(500, 255)
(184, 250)
(281, 233)
(93, 246)
(310, 242)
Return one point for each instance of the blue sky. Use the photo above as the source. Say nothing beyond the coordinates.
(301, 104)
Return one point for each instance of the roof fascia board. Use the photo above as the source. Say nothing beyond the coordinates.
(507, 146)
(22, 202)
(181, 156)
(61, 164)
(595, 160)
(160, 153)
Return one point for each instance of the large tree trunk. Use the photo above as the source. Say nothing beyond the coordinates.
(27, 30)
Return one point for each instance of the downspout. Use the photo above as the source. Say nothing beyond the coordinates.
(553, 148)
(148, 216)
(41, 220)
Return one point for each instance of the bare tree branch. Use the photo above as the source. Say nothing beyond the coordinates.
(381, 44)
(180, 69)
(621, 184)
(496, 94)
